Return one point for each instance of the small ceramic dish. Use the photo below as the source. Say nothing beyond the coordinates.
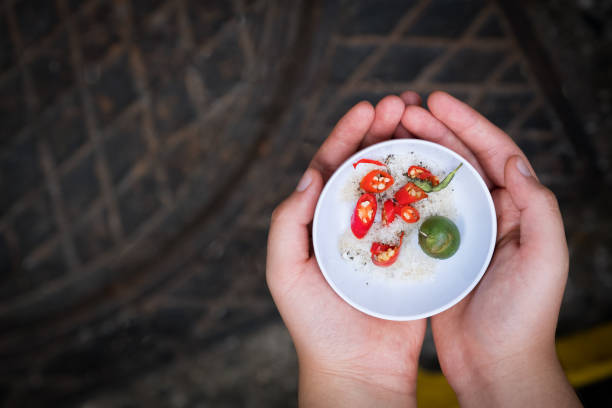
(372, 290)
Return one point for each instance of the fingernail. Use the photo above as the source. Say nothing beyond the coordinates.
(304, 182)
(522, 168)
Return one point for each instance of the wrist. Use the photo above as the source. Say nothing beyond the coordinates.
(320, 387)
(534, 378)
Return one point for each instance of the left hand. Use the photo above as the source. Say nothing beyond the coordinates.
(346, 357)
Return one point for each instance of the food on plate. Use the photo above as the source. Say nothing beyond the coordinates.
(428, 186)
(363, 216)
(385, 255)
(421, 173)
(376, 181)
(404, 186)
(409, 214)
(388, 212)
(409, 194)
(439, 237)
(367, 161)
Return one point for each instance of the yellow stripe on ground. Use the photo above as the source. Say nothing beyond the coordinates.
(434, 391)
(586, 358)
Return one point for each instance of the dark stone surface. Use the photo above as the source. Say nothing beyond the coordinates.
(65, 129)
(404, 63)
(6, 263)
(514, 75)
(52, 71)
(172, 107)
(20, 164)
(174, 322)
(32, 274)
(222, 68)
(139, 203)
(370, 16)
(593, 395)
(160, 44)
(131, 346)
(80, 187)
(35, 19)
(345, 59)
(74, 5)
(114, 90)
(35, 223)
(501, 108)
(207, 18)
(13, 107)
(207, 282)
(98, 32)
(94, 237)
(446, 18)
(180, 161)
(470, 65)
(124, 146)
(539, 120)
(6, 46)
(491, 28)
(142, 8)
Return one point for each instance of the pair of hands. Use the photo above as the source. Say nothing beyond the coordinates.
(496, 347)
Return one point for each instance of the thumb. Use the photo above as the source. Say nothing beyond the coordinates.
(288, 239)
(541, 226)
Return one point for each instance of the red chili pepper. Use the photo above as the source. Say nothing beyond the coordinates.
(363, 216)
(388, 213)
(385, 255)
(410, 193)
(421, 173)
(367, 161)
(376, 181)
(409, 214)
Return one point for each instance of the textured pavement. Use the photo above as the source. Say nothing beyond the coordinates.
(144, 145)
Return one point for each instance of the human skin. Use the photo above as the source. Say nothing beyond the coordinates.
(497, 346)
(346, 358)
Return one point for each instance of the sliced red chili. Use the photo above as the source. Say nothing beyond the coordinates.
(418, 172)
(385, 255)
(363, 216)
(367, 161)
(388, 213)
(410, 193)
(421, 173)
(409, 214)
(376, 181)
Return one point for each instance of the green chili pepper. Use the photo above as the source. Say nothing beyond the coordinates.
(428, 188)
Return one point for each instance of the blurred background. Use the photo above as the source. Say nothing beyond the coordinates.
(144, 144)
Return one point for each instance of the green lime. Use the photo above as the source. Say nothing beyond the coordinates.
(439, 237)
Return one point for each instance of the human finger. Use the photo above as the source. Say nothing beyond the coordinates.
(490, 144)
(508, 216)
(288, 239)
(422, 124)
(542, 235)
(344, 140)
(409, 98)
(387, 115)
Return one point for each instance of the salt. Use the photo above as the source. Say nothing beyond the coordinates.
(412, 263)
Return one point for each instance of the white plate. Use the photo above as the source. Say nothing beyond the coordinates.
(397, 298)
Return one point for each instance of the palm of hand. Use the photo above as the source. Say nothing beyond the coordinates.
(329, 333)
(514, 308)
(343, 337)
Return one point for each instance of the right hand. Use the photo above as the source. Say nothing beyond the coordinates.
(497, 346)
